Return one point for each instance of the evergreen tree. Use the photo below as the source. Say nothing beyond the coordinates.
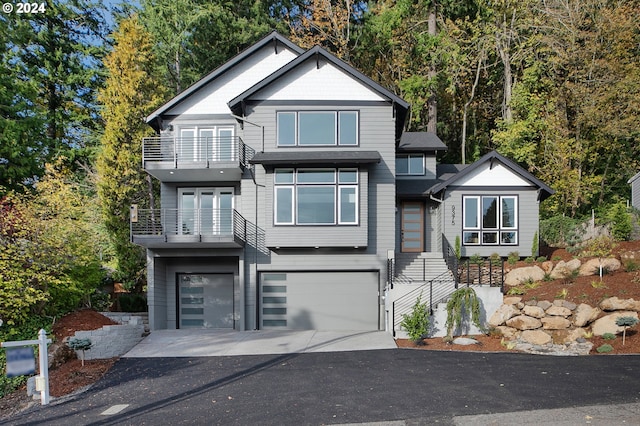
(51, 67)
(131, 92)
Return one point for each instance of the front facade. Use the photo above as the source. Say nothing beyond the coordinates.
(277, 196)
(287, 190)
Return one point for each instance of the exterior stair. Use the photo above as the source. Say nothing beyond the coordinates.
(419, 267)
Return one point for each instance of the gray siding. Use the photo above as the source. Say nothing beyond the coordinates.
(528, 221)
(376, 229)
(635, 193)
(156, 293)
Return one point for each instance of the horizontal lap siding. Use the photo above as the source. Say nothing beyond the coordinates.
(377, 196)
(635, 193)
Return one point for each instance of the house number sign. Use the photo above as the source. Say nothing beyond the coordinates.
(453, 215)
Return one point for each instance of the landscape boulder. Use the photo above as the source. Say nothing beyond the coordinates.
(535, 337)
(592, 266)
(524, 322)
(521, 275)
(615, 304)
(555, 323)
(533, 311)
(607, 324)
(585, 314)
(558, 311)
(502, 314)
(565, 269)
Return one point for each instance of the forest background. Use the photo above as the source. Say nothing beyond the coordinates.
(554, 85)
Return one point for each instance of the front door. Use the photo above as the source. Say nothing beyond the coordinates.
(412, 226)
(205, 300)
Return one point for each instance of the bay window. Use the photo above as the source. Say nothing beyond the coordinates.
(490, 220)
(316, 196)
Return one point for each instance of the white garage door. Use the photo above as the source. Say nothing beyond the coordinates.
(319, 300)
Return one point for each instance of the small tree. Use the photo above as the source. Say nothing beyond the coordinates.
(463, 304)
(600, 247)
(417, 322)
(80, 345)
(626, 322)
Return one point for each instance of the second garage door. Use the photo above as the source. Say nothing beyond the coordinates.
(319, 300)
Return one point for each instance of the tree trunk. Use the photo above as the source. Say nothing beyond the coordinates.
(432, 103)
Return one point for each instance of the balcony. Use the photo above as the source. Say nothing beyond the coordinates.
(188, 228)
(172, 159)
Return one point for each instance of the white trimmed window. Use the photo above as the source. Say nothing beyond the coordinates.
(490, 220)
(317, 128)
(316, 197)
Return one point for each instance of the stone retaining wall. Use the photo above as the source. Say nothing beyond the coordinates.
(113, 340)
(559, 322)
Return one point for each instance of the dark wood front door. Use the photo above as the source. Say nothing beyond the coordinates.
(412, 226)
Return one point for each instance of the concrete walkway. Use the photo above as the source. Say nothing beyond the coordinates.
(200, 343)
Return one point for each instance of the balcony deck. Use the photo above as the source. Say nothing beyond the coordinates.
(199, 228)
(172, 159)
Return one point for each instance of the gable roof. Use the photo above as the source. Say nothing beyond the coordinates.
(316, 52)
(491, 157)
(634, 178)
(273, 37)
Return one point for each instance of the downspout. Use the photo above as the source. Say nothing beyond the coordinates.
(256, 185)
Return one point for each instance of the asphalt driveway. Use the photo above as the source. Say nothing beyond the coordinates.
(389, 386)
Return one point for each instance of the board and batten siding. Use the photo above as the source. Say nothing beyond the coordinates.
(213, 97)
(528, 220)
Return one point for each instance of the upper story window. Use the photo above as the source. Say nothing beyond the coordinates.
(490, 220)
(206, 144)
(317, 128)
(410, 165)
(316, 197)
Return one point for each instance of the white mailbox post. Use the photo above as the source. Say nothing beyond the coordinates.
(42, 381)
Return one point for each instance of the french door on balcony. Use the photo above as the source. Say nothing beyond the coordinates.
(205, 211)
(206, 144)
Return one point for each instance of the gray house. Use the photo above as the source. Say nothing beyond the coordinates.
(635, 191)
(288, 189)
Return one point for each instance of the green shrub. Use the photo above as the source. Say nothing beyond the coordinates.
(535, 245)
(619, 220)
(457, 248)
(559, 231)
(604, 348)
(476, 259)
(132, 303)
(416, 323)
(541, 259)
(529, 259)
(28, 330)
(609, 336)
(631, 266)
(513, 257)
(516, 291)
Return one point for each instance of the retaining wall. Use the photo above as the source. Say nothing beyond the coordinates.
(113, 340)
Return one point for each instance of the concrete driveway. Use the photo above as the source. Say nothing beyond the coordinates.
(200, 343)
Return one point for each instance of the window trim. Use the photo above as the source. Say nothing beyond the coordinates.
(337, 186)
(479, 233)
(337, 128)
